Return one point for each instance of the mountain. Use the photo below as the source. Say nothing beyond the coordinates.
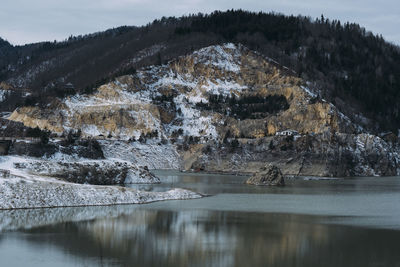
(343, 63)
(220, 108)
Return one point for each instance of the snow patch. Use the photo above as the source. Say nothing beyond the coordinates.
(3, 94)
(193, 123)
(308, 91)
(225, 57)
(223, 87)
(150, 154)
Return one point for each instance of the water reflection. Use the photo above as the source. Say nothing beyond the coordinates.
(240, 226)
(203, 238)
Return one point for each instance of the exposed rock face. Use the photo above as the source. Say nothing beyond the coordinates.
(268, 175)
(189, 107)
(92, 172)
(165, 98)
(339, 155)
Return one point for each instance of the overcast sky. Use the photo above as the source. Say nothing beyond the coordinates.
(27, 21)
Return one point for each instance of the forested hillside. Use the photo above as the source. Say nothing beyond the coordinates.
(347, 65)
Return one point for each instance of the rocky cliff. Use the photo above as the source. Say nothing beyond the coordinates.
(221, 108)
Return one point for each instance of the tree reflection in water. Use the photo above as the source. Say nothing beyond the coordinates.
(148, 237)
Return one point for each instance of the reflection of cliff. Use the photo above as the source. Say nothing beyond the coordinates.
(162, 238)
(200, 238)
(283, 243)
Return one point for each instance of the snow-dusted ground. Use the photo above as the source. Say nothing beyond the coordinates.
(21, 189)
(366, 144)
(225, 57)
(151, 154)
(101, 172)
(17, 193)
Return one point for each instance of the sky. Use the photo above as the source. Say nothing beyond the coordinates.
(28, 21)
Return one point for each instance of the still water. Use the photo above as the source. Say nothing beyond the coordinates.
(341, 222)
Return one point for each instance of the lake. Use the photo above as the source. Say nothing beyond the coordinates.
(330, 222)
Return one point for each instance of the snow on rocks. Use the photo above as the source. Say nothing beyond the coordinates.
(25, 186)
(126, 107)
(7, 163)
(225, 57)
(151, 154)
(24, 194)
(223, 87)
(100, 172)
(193, 123)
(308, 91)
(374, 155)
(3, 94)
(191, 89)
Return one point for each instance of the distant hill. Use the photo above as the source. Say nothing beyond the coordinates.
(345, 64)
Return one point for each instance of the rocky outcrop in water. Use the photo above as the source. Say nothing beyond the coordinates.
(268, 175)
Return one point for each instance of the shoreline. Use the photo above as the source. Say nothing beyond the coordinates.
(22, 189)
(19, 193)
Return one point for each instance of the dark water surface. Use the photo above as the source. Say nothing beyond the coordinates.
(342, 222)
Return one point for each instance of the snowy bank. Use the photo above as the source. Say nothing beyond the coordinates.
(79, 170)
(17, 193)
(97, 172)
(21, 188)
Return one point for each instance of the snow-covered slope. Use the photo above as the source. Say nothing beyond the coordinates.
(150, 154)
(83, 171)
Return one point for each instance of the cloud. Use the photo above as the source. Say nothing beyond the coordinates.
(23, 21)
